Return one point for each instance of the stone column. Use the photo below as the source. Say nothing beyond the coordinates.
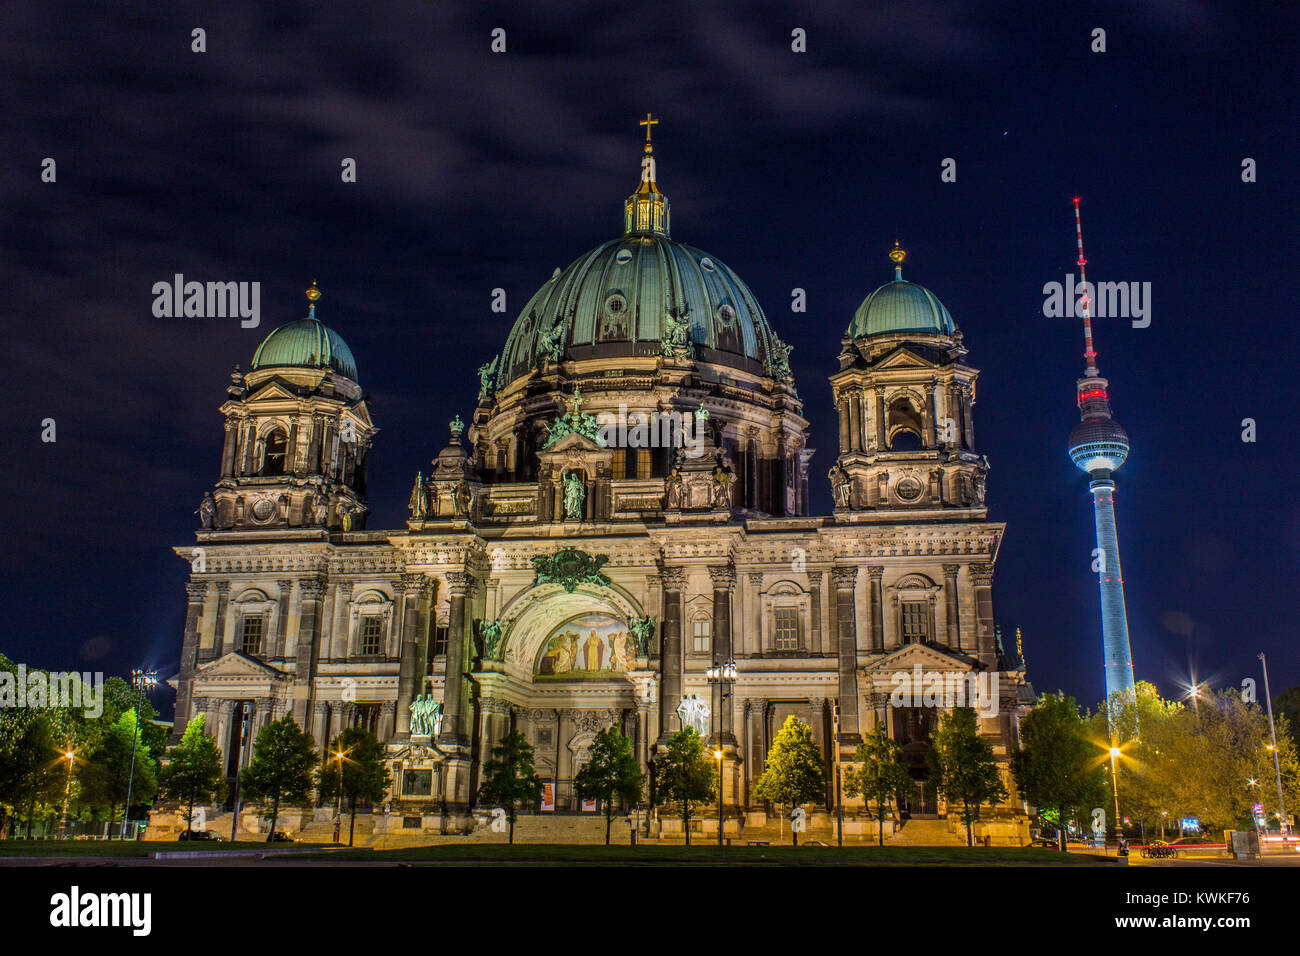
(845, 580)
(220, 645)
(855, 420)
(880, 418)
(320, 724)
(197, 592)
(228, 449)
(815, 594)
(670, 663)
(985, 648)
(409, 682)
(280, 643)
(876, 572)
(312, 590)
(950, 593)
(752, 467)
(846, 431)
(724, 583)
(754, 640)
(967, 400)
(387, 721)
(460, 585)
(931, 441)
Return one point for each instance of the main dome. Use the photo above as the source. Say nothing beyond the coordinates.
(614, 301)
(644, 295)
(306, 343)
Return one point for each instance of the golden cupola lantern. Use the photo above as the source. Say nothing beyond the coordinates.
(646, 210)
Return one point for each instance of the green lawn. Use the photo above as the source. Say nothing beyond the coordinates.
(113, 848)
(711, 854)
(496, 854)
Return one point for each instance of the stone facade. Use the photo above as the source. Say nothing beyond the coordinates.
(658, 560)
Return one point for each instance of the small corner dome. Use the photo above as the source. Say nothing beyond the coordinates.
(901, 306)
(306, 343)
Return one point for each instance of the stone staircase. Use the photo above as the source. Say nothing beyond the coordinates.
(927, 833)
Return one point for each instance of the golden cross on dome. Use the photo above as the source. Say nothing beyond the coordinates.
(648, 123)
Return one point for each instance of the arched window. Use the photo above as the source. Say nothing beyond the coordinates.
(277, 450)
(905, 426)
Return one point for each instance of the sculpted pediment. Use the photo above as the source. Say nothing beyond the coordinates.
(571, 444)
(903, 357)
(911, 655)
(272, 390)
(238, 667)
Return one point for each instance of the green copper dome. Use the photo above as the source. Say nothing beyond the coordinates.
(306, 343)
(622, 298)
(901, 306)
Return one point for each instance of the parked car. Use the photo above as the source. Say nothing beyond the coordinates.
(279, 836)
(200, 835)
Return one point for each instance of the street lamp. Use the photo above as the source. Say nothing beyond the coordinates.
(722, 676)
(338, 810)
(1277, 770)
(142, 681)
(718, 756)
(1114, 776)
(70, 756)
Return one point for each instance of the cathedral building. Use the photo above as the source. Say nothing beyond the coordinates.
(620, 534)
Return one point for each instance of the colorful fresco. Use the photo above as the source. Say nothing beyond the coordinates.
(590, 646)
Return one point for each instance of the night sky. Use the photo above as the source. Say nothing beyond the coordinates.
(479, 170)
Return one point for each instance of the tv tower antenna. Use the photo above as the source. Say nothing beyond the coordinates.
(1098, 445)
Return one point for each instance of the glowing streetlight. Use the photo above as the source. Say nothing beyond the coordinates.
(338, 809)
(143, 681)
(71, 757)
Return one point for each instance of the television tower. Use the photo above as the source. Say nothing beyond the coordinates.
(1098, 445)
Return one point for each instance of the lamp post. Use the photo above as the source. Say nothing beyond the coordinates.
(70, 756)
(142, 681)
(1277, 770)
(839, 796)
(718, 756)
(338, 809)
(241, 715)
(1114, 777)
(723, 675)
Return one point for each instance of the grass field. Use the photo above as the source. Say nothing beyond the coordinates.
(710, 855)
(576, 854)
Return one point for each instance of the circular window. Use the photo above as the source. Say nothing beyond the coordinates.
(623, 257)
(908, 488)
(706, 264)
(726, 314)
(263, 508)
(616, 304)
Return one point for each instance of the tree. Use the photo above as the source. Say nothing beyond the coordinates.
(881, 775)
(361, 773)
(962, 766)
(509, 780)
(193, 773)
(1287, 704)
(684, 776)
(108, 774)
(281, 769)
(612, 774)
(1056, 766)
(794, 772)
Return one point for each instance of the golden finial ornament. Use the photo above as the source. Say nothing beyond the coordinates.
(313, 293)
(896, 256)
